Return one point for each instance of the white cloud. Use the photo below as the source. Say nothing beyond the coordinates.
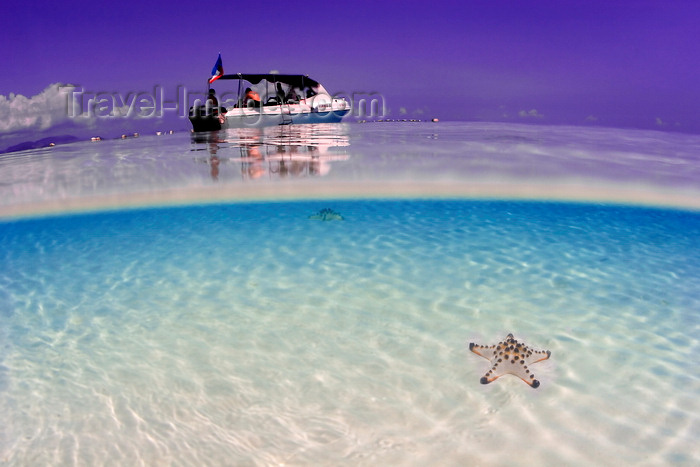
(591, 118)
(46, 109)
(660, 122)
(530, 114)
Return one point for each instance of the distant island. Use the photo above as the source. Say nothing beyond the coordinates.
(42, 143)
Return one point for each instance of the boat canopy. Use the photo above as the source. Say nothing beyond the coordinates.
(299, 81)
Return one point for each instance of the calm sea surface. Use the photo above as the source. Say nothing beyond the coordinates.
(167, 300)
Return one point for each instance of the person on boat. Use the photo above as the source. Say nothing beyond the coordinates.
(311, 91)
(212, 102)
(251, 96)
(281, 97)
(292, 97)
(213, 108)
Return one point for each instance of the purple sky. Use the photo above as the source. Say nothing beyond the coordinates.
(613, 63)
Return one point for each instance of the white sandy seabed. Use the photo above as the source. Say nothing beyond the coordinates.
(248, 334)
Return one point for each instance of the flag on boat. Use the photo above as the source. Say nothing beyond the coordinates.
(218, 70)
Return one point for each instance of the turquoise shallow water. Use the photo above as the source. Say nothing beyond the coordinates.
(247, 334)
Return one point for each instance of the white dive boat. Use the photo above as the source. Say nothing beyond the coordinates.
(265, 100)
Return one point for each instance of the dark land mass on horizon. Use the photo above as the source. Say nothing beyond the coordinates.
(41, 143)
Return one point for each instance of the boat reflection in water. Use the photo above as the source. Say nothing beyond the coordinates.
(273, 152)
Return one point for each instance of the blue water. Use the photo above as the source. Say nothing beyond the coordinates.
(245, 333)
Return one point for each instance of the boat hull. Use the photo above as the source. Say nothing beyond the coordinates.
(203, 119)
(262, 119)
(320, 109)
(212, 123)
(205, 123)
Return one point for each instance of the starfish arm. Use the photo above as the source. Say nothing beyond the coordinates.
(521, 371)
(534, 356)
(493, 374)
(526, 375)
(533, 383)
(487, 378)
(517, 368)
(488, 352)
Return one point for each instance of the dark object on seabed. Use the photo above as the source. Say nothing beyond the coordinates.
(326, 214)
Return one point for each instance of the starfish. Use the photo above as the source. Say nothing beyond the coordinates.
(510, 356)
(326, 214)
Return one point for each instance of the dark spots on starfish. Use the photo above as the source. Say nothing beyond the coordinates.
(484, 380)
(535, 384)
